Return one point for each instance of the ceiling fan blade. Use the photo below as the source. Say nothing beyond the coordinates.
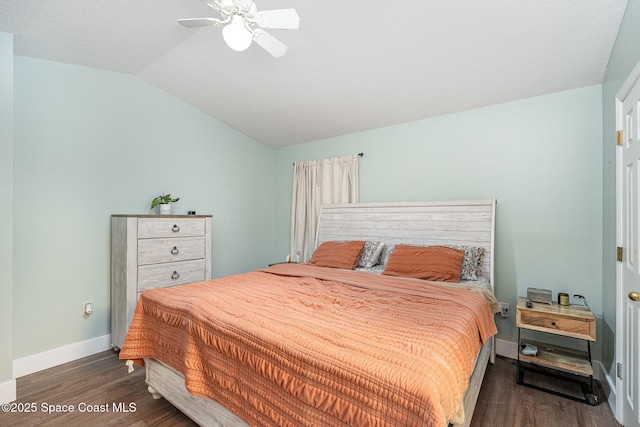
(285, 19)
(269, 43)
(199, 22)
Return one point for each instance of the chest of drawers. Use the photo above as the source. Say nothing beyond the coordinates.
(151, 251)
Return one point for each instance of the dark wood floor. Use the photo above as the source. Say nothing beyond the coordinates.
(101, 380)
(101, 383)
(502, 402)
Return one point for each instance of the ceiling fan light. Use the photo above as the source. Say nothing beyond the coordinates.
(236, 35)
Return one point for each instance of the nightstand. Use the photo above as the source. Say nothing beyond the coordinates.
(577, 322)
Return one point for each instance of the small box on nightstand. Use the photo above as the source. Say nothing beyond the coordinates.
(539, 295)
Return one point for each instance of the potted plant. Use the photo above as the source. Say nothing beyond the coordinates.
(164, 203)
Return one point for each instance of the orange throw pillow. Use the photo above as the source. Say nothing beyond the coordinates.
(338, 254)
(438, 263)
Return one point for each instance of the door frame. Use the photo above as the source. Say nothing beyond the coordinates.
(631, 80)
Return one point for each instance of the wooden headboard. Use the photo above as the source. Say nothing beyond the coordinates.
(465, 222)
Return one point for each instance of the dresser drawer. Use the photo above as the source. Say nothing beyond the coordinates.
(155, 251)
(556, 324)
(151, 228)
(170, 274)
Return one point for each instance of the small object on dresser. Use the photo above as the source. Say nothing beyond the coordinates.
(191, 213)
(164, 203)
(529, 304)
(529, 349)
(563, 298)
(584, 300)
(539, 295)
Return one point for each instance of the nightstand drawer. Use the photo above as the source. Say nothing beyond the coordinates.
(570, 321)
(554, 324)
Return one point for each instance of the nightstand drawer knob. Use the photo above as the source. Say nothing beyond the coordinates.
(175, 228)
(175, 275)
(553, 323)
(634, 296)
(174, 250)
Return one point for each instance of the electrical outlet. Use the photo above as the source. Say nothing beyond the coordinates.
(504, 309)
(87, 309)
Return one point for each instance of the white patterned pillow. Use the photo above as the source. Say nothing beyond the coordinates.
(472, 263)
(370, 254)
(376, 269)
(385, 254)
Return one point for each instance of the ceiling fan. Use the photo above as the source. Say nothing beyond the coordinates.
(239, 18)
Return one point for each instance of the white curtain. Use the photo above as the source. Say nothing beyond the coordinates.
(316, 183)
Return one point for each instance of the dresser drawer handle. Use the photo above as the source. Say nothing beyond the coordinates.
(175, 275)
(175, 228)
(174, 250)
(553, 323)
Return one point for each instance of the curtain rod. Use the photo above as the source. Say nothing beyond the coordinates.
(359, 154)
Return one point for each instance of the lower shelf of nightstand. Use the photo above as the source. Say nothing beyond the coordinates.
(552, 360)
(561, 358)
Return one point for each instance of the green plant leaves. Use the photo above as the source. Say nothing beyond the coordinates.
(163, 200)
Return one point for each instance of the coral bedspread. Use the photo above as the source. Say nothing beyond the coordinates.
(303, 345)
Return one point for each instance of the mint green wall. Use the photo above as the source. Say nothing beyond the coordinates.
(90, 143)
(6, 213)
(625, 55)
(541, 159)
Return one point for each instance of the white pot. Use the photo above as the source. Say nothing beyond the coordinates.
(165, 209)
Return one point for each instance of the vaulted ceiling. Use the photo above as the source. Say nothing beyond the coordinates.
(352, 65)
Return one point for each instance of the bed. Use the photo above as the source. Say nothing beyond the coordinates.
(316, 345)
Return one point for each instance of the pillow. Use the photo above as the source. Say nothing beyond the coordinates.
(376, 269)
(439, 263)
(370, 254)
(472, 264)
(338, 254)
(385, 254)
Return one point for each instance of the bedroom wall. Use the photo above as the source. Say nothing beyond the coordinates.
(91, 143)
(541, 159)
(7, 385)
(624, 57)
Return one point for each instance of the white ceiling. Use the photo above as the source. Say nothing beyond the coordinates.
(352, 65)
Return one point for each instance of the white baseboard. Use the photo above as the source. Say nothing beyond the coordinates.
(507, 349)
(600, 374)
(612, 397)
(58, 356)
(8, 391)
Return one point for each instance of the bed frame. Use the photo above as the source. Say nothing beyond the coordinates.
(469, 223)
